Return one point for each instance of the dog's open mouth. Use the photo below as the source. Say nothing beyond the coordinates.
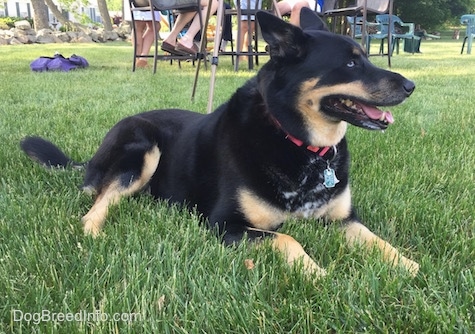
(358, 113)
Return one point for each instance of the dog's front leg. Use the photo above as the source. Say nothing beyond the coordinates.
(294, 252)
(356, 232)
(291, 249)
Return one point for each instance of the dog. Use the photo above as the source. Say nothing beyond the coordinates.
(275, 150)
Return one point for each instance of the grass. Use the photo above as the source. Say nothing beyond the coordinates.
(412, 185)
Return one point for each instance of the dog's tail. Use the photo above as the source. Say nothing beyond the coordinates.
(47, 154)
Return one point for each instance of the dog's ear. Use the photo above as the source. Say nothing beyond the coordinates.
(309, 20)
(284, 39)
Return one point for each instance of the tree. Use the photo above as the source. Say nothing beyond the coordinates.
(57, 13)
(432, 14)
(40, 17)
(428, 13)
(106, 19)
(40, 14)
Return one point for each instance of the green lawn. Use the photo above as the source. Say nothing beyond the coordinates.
(414, 185)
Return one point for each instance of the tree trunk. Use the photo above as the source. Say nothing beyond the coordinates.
(106, 19)
(57, 13)
(61, 18)
(40, 14)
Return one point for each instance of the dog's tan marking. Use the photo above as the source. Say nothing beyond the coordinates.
(294, 253)
(259, 213)
(329, 132)
(112, 193)
(340, 207)
(358, 51)
(358, 233)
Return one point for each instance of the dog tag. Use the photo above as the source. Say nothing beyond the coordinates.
(329, 177)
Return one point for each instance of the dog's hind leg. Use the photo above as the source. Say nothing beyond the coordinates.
(123, 183)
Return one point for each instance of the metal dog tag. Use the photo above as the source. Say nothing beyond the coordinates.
(330, 179)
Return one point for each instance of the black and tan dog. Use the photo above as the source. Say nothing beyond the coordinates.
(275, 150)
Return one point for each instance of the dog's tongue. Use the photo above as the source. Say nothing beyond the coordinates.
(375, 113)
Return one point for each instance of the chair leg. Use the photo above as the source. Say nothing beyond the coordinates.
(381, 47)
(463, 45)
(134, 60)
(155, 35)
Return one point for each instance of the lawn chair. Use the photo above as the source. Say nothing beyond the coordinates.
(373, 31)
(253, 47)
(469, 21)
(360, 8)
(388, 23)
(159, 5)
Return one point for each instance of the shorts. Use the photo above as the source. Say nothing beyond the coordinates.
(311, 4)
(252, 5)
(146, 16)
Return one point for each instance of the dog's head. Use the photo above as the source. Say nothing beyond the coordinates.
(316, 81)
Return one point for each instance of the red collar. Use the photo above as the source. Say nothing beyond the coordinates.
(321, 151)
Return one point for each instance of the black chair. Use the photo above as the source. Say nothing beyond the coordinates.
(164, 5)
(253, 52)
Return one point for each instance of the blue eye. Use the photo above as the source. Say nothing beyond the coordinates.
(351, 63)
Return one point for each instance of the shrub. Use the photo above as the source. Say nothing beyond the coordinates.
(9, 21)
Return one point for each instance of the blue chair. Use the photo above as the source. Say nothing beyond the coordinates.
(373, 31)
(388, 22)
(469, 21)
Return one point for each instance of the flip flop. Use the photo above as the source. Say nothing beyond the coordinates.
(167, 47)
(189, 51)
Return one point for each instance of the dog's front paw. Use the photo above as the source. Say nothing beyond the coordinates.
(90, 226)
(411, 266)
(313, 270)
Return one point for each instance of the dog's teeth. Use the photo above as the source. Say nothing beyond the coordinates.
(383, 116)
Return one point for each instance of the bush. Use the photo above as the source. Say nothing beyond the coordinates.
(9, 21)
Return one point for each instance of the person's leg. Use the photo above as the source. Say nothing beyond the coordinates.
(243, 36)
(140, 27)
(249, 33)
(149, 38)
(295, 12)
(180, 23)
(284, 7)
(194, 28)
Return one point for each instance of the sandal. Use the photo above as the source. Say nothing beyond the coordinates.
(167, 47)
(189, 51)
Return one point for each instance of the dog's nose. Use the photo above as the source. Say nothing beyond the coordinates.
(409, 87)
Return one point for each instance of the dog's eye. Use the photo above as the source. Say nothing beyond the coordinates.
(351, 64)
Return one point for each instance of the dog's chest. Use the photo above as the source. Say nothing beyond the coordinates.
(308, 190)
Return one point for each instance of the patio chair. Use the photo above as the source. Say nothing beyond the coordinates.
(469, 21)
(388, 24)
(253, 46)
(163, 5)
(373, 31)
(361, 8)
